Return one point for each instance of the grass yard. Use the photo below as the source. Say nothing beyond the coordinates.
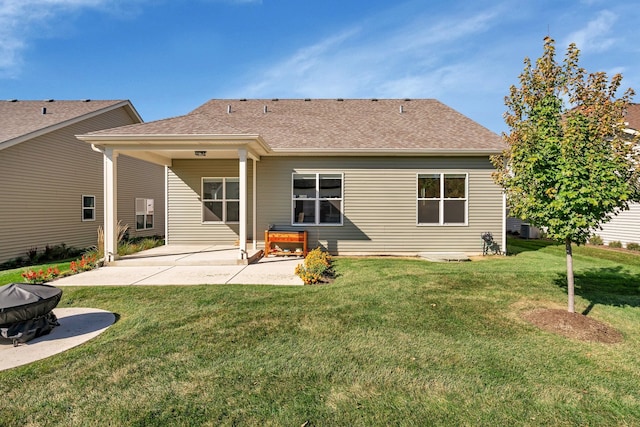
(15, 275)
(390, 342)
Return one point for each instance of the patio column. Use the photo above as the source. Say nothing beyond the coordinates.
(110, 184)
(255, 200)
(242, 155)
(504, 223)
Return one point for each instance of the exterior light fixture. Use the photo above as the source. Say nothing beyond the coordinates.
(200, 153)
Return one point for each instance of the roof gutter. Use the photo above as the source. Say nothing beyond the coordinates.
(383, 152)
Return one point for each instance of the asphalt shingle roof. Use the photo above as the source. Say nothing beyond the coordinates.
(632, 116)
(20, 118)
(329, 124)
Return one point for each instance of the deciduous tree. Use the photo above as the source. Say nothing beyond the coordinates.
(569, 164)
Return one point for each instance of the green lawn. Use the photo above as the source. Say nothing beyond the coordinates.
(15, 275)
(390, 342)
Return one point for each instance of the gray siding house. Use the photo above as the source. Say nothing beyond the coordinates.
(51, 184)
(625, 226)
(393, 176)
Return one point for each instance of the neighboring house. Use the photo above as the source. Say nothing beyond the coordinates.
(360, 176)
(625, 227)
(51, 184)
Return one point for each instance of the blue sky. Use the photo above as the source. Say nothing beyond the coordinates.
(170, 56)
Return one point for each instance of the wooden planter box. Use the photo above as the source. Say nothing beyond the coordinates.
(297, 237)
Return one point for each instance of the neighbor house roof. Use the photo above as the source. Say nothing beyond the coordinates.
(325, 126)
(632, 116)
(22, 120)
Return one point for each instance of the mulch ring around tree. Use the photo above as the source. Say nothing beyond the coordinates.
(572, 325)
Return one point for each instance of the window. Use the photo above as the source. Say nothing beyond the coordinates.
(442, 199)
(317, 199)
(88, 208)
(221, 200)
(144, 214)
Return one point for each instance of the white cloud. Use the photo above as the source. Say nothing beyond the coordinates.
(296, 70)
(593, 37)
(376, 59)
(22, 20)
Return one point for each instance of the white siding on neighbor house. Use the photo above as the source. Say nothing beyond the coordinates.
(42, 181)
(625, 227)
(380, 203)
(185, 223)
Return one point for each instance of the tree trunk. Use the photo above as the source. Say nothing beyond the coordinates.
(570, 283)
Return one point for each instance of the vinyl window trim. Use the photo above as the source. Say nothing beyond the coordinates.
(224, 200)
(442, 199)
(144, 213)
(91, 208)
(317, 200)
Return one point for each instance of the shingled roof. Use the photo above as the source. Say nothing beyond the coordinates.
(632, 116)
(21, 120)
(297, 125)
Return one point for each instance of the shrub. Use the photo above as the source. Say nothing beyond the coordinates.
(40, 276)
(633, 246)
(87, 262)
(615, 244)
(32, 254)
(316, 267)
(137, 244)
(49, 254)
(596, 240)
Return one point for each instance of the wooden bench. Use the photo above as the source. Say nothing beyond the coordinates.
(297, 237)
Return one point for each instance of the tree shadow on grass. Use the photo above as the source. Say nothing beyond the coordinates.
(516, 245)
(613, 286)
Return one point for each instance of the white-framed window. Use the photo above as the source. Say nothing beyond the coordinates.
(220, 200)
(144, 214)
(88, 208)
(442, 198)
(317, 198)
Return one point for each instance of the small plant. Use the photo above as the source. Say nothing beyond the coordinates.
(40, 276)
(615, 244)
(633, 246)
(316, 267)
(87, 262)
(100, 247)
(596, 240)
(122, 230)
(32, 254)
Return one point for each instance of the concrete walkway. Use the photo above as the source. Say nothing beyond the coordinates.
(77, 325)
(188, 265)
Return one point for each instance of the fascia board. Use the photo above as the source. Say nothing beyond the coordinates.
(178, 141)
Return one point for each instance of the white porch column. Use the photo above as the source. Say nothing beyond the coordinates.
(255, 200)
(242, 155)
(110, 184)
(504, 223)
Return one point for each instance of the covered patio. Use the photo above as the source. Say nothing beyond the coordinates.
(163, 149)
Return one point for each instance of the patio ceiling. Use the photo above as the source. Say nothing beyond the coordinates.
(163, 149)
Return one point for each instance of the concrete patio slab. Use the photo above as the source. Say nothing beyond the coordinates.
(77, 325)
(111, 275)
(192, 275)
(269, 271)
(184, 255)
(188, 265)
